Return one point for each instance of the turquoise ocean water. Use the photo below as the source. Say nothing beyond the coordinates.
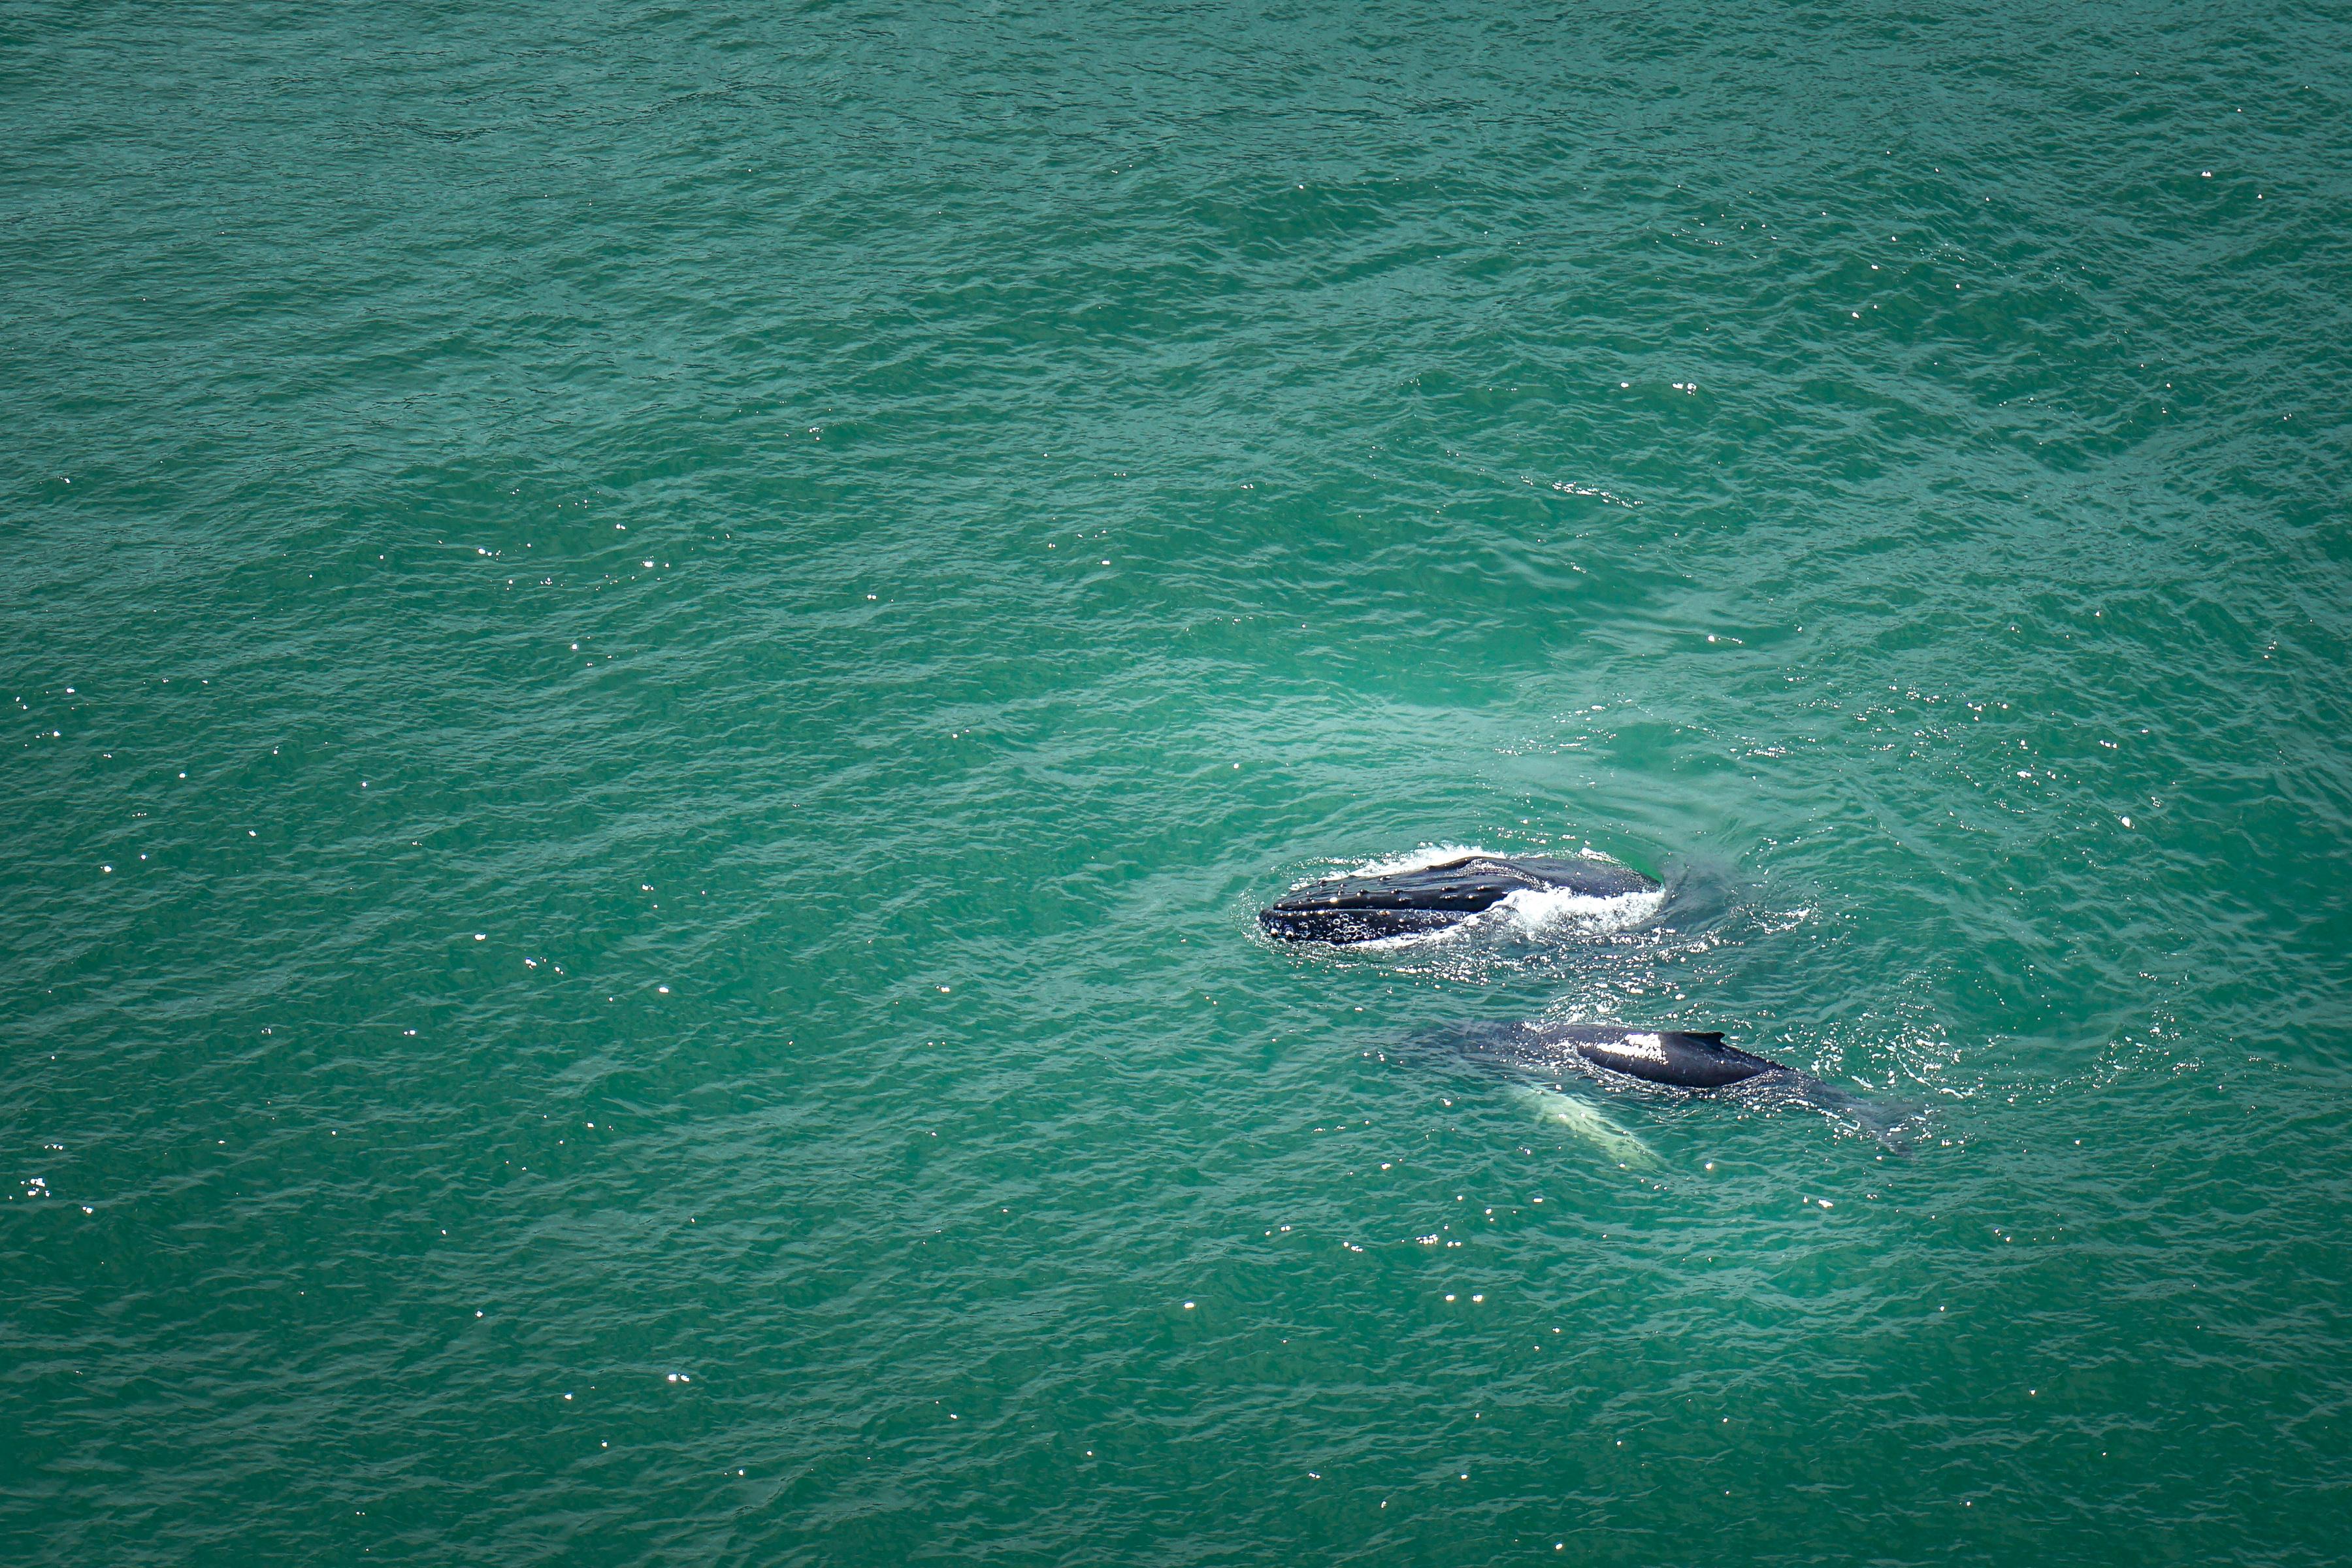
(655, 658)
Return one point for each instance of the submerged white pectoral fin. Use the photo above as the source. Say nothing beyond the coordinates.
(1586, 1121)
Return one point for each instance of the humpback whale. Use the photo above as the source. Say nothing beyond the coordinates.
(1369, 907)
(1682, 1058)
(1679, 1058)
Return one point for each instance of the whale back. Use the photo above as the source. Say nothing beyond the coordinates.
(1681, 1058)
(1431, 898)
(1686, 1058)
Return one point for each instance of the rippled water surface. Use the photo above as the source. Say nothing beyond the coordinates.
(656, 658)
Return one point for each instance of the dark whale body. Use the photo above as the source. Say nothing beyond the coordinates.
(1681, 1058)
(1432, 897)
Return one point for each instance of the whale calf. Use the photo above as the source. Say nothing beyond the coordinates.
(1682, 1058)
(1702, 1061)
(1376, 906)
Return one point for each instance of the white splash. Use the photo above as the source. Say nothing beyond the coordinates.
(1422, 859)
(1587, 1122)
(1529, 912)
(1548, 908)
